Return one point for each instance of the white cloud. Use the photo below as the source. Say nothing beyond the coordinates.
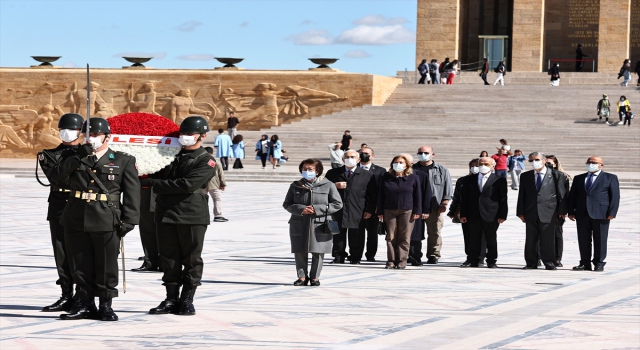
(357, 54)
(70, 64)
(380, 20)
(376, 35)
(312, 37)
(196, 57)
(188, 26)
(305, 22)
(156, 55)
(244, 24)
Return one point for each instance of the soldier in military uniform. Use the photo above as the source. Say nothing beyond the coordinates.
(147, 229)
(182, 217)
(95, 219)
(69, 126)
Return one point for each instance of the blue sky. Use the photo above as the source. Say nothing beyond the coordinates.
(367, 36)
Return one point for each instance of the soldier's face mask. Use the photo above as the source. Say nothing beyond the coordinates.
(68, 135)
(188, 140)
(97, 141)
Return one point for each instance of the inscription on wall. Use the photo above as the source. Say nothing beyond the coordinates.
(584, 16)
(634, 34)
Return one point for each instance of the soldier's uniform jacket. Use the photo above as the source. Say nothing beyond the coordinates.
(59, 190)
(180, 188)
(117, 172)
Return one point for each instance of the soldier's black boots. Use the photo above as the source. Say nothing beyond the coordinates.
(64, 303)
(83, 308)
(169, 305)
(186, 301)
(105, 312)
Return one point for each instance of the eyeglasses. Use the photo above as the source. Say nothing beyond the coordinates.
(419, 153)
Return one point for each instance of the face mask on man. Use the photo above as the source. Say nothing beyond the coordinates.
(365, 157)
(350, 162)
(536, 164)
(484, 169)
(397, 167)
(592, 168)
(96, 142)
(187, 140)
(309, 175)
(423, 157)
(68, 135)
(474, 170)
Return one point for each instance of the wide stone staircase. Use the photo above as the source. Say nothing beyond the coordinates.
(459, 121)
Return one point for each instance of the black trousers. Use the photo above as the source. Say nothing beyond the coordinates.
(181, 253)
(225, 163)
(478, 228)
(422, 78)
(544, 234)
(61, 254)
(415, 251)
(595, 229)
(149, 239)
(263, 159)
(95, 262)
(559, 239)
(466, 235)
(371, 225)
(355, 238)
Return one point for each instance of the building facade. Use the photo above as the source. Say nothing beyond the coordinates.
(529, 34)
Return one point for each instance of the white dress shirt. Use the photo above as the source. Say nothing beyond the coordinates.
(366, 167)
(482, 179)
(543, 172)
(595, 176)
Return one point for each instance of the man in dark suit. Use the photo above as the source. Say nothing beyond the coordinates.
(357, 188)
(372, 224)
(541, 201)
(483, 204)
(418, 233)
(593, 202)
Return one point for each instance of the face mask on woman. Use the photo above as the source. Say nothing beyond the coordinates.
(397, 167)
(309, 175)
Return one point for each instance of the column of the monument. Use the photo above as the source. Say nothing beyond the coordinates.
(613, 34)
(528, 26)
(437, 29)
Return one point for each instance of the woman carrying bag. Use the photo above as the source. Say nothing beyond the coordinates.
(262, 150)
(237, 148)
(311, 200)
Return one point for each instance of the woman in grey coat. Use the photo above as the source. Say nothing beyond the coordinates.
(308, 199)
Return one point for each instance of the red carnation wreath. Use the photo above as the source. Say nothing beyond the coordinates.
(152, 139)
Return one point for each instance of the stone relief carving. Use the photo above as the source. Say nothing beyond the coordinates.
(29, 115)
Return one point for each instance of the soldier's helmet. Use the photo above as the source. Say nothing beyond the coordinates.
(70, 121)
(194, 124)
(97, 125)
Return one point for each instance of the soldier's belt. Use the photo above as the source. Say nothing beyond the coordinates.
(61, 190)
(101, 197)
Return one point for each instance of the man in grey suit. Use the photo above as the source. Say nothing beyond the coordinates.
(541, 201)
(593, 202)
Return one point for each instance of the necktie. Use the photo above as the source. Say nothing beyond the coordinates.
(539, 181)
(349, 174)
(589, 182)
(482, 182)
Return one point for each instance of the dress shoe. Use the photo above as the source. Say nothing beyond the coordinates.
(599, 268)
(558, 263)
(315, 283)
(371, 259)
(186, 301)
(300, 282)
(529, 267)
(83, 308)
(473, 264)
(550, 267)
(170, 304)
(105, 312)
(337, 261)
(220, 219)
(389, 267)
(581, 268)
(432, 260)
(401, 267)
(354, 262)
(492, 266)
(416, 263)
(64, 303)
(146, 266)
(465, 264)
(142, 258)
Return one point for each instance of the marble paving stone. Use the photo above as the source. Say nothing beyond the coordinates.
(247, 299)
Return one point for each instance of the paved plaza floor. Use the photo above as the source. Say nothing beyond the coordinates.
(247, 299)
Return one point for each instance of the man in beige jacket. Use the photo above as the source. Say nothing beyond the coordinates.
(215, 187)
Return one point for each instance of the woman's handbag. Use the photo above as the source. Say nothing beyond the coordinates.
(330, 226)
(456, 217)
(380, 229)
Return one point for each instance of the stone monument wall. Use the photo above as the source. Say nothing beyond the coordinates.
(634, 33)
(32, 100)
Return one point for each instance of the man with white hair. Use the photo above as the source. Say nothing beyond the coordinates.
(484, 206)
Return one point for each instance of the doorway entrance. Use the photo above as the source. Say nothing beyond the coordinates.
(494, 48)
